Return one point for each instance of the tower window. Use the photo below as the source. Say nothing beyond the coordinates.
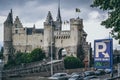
(40, 40)
(16, 31)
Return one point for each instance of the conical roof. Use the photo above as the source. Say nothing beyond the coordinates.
(49, 18)
(9, 18)
(58, 14)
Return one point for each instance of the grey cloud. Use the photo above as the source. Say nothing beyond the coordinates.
(34, 10)
(5, 4)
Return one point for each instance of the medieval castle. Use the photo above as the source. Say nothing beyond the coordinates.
(51, 39)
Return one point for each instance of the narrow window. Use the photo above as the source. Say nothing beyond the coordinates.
(40, 40)
(61, 41)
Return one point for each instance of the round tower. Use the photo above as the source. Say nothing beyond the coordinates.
(8, 36)
(76, 28)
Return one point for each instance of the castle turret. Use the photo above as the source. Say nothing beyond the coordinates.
(58, 19)
(76, 27)
(8, 36)
(48, 33)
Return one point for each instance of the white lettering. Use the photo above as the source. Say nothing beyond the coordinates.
(100, 50)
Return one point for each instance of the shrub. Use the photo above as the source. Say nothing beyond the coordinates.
(72, 62)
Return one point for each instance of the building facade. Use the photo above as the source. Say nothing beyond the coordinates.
(51, 38)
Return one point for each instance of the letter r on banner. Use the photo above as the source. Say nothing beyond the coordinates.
(98, 49)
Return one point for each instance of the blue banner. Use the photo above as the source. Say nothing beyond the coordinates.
(103, 53)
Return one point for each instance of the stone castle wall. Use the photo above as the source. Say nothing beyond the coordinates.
(26, 39)
(26, 43)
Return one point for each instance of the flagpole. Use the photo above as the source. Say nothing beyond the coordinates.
(77, 10)
(78, 14)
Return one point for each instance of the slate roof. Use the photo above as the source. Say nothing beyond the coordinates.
(30, 31)
(39, 31)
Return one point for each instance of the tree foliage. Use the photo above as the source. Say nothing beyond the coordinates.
(113, 21)
(1, 53)
(37, 54)
(72, 62)
(21, 58)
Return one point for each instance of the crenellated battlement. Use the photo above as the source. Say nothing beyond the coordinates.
(62, 34)
(76, 21)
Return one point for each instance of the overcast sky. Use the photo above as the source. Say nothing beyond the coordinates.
(33, 12)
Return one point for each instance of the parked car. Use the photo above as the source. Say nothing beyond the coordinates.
(77, 73)
(88, 73)
(108, 71)
(59, 76)
(91, 78)
(99, 72)
(76, 77)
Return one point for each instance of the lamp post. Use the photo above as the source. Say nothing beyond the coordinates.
(111, 75)
(51, 59)
(51, 49)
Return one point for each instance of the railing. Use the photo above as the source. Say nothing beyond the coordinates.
(32, 68)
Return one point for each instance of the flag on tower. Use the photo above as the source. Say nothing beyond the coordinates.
(77, 10)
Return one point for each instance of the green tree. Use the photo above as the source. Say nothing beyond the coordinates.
(20, 58)
(113, 21)
(37, 55)
(1, 53)
(72, 62)
(11, 62)
(17, 59)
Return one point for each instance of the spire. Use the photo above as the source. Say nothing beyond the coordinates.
(58, 15)
(9, 18)
(34, 26)
(49, 18)
(33, 30)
